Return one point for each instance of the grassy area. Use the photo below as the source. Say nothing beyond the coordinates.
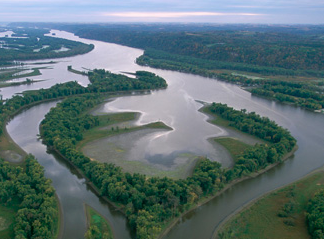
(76, 71)
(95, 219)
(215, 120)
(219, 121)
(9, 150)
(111, 124)
(253, 75)
(13, 74)
(262, 220)
(26, 82)
(7, 219)
(234, 146)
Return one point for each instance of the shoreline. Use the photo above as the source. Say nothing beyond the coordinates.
(255, 200)
(86, 206)
(60, 218)
(228, 186)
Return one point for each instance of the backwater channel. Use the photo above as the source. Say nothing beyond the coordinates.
(177, 107)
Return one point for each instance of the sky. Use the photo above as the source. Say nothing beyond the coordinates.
(185, 11)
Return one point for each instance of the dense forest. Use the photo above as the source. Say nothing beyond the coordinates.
(271, 48)
(149, 203)
(315, 215)
(37, 216)
(261, 155)
(305, 94)
(31, 44)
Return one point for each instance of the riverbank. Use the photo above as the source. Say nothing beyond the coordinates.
(261, 214)
(227, 187)
(224, 123)
(97, 221)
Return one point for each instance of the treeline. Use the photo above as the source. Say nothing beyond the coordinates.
(103, 81)
(303, 97)
(149, 203)
(269, 49)
(315, 215)
(37, 216)
(205, 67)
(261, 155)
(308, 95)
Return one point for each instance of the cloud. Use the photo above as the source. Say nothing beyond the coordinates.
(173, 14)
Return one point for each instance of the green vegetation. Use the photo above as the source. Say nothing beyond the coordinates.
(315, 215)
(98, 226)
(7, 219)
(102, 130)
(26, 82)
(280, 214)
(37, 213)
(76, 71)
(34, 45)
(150, 203)
(261, 155)
(267, 51)
(233, 146)
(104, 81)
(13, 74)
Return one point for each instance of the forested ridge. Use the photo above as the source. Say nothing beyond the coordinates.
(272, 48)
(150, 203)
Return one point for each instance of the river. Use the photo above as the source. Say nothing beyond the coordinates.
(177, 107)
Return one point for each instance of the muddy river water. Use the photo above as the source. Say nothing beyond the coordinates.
(177, 107)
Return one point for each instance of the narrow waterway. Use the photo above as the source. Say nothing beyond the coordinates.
(177, 107)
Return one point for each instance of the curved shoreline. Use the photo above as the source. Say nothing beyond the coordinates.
(255, 200)
(228, 186)
(89, 219)
(60, 219)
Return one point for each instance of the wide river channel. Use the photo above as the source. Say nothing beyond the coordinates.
(177, 107)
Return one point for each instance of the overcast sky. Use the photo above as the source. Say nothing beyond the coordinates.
(215, 11)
